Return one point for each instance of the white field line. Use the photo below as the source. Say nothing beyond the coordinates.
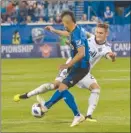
(100, 79)
(104, 79)
(114, 70)
(35, 121)
(111, 70)
(114, 79)
(106, 118)
(32, 98)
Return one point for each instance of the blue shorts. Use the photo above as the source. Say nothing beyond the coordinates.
(75, 75)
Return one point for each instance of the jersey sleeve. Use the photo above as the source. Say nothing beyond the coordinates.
(88, 34)
(79, 40)
(106, 50)
(79, 43)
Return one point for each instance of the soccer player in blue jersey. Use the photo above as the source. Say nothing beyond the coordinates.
(79, 66)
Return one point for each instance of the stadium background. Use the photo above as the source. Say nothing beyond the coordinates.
(87, 14)
(20, 75)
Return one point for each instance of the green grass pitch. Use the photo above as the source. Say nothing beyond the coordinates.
(22, 75)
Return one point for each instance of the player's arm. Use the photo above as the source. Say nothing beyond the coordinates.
(108, 53)
(111, 56)
(78, 57)
(59, 32)
(88, 34)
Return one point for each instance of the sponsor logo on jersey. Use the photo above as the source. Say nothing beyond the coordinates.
(92, 53)
(78, 43)
(100, 49)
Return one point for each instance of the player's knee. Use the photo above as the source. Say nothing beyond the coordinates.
(56, 84)
(49, 86)
(62, 87)
(94, 86)
(95, 91)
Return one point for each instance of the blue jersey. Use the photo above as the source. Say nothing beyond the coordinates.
(78, 39)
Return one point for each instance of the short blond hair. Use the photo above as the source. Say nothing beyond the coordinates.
(103, 25)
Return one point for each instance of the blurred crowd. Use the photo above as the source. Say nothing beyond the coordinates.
(49, 11)
(33, 11)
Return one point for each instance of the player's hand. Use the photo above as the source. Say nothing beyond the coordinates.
(50, 28)
(64, 66)
(112, 55)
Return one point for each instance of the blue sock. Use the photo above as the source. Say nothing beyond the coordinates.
(69, 99)
(55, 98)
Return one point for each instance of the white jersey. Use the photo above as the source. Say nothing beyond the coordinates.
(97, 51)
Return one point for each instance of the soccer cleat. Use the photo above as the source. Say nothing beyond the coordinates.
(23, 96)
(17, 98)
(77, 120)
(42, 103)
(89, 118)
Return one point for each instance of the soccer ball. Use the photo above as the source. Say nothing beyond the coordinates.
(36, 110)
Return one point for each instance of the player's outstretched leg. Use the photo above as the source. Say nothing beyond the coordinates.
(69, 99)
(41, 89)
(93, 100)
(42, 103)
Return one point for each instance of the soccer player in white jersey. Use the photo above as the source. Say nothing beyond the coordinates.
(99, 47)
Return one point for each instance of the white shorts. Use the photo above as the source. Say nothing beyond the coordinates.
(62, 74)
(84, 83)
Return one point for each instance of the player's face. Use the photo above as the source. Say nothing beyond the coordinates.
(66, 24)
(101, 34)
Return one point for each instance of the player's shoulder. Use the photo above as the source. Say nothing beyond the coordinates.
(108, 44)
(75, 32)
(77, 29)
(79, 32)
(91, 38)
(107, 47)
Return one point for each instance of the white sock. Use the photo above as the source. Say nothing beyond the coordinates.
(93, 100)
(41, 89)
